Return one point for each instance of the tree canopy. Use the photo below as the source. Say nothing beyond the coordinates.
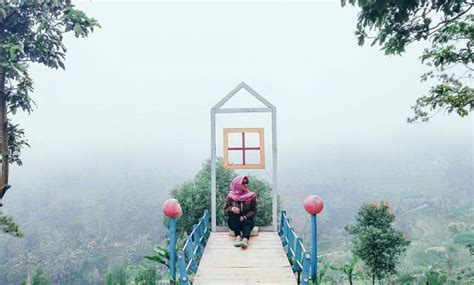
(448, 27)
(375, 240)
(31, 31)
(195, 196)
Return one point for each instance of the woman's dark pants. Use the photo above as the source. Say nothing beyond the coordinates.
(237, 226)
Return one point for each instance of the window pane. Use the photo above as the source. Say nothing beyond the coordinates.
(252, 157)
(235, 157)
(252, 139)
(235, 140)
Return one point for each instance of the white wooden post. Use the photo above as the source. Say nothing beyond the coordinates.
(275, 171)
(213, 171)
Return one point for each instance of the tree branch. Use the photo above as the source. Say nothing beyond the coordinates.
(449, 20)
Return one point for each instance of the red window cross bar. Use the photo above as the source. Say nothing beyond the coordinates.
(243, 148)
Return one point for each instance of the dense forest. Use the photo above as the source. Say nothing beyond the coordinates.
(81, 235)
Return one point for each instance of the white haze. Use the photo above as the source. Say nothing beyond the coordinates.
(136, 95)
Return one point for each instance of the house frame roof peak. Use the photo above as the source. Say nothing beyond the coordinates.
(240, 86)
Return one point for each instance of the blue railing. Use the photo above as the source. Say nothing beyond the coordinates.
(191, 253)
(299, 258)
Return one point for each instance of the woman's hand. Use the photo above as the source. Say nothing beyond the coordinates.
(235, 210)
(242, 218)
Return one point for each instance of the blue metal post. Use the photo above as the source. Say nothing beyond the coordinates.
(173, 248)
(314, 247)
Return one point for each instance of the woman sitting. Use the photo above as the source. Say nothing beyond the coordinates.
(241, 207)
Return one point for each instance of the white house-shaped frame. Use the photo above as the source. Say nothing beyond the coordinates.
(217, 109)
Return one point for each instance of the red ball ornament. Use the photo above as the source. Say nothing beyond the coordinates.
(313, 204)
(172, 208)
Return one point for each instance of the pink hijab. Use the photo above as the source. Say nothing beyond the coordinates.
(236, 192)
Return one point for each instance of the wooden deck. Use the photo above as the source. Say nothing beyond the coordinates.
(263, 262)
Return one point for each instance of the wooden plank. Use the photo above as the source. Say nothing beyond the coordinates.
(263, 262)
(246, 275)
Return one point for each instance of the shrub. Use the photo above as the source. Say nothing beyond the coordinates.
(195, 196)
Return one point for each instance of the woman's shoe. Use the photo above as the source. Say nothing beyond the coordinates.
(237, 242)
(244, 243)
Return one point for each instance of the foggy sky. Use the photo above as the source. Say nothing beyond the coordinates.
(139, 90)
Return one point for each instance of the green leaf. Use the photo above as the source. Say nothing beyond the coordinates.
(77, 29)
(61, 64)
(13, 54)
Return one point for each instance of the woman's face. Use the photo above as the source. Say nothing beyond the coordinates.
(245, 185)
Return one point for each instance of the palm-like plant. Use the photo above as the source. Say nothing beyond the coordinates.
(163, 253)
(37, 279)
(122, 278)
(435, 275)
(320, 277)
(349, 269)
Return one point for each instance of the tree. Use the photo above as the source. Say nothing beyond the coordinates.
(448, 26)
(38, 279)
(31, 31)
(195, 196)
(375, 241)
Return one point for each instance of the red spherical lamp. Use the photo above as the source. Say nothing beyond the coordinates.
(313, 204)
(172, 208)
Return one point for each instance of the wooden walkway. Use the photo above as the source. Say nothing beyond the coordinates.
(263, 262)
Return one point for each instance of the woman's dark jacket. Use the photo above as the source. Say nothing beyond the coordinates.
(247, 209)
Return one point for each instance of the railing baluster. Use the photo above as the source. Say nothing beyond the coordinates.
(202, 234)
(190, 250)
(183, 274)
(296, 265)
(285, 232)
(207, 225)
(306, 265)
(282, 218)
(291, 243)
(197, 243)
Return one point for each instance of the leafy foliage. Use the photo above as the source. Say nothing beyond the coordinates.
(470, 247)
(447, 25)
(146, 275)
(435, 276)
(464, 238)
(321, 277)
(163, 253)
(8, 226)
(37, 279)
(31, 32)
(349, 269)
(195, 196)
(122, 278)
(375, 240)
(78, 238)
